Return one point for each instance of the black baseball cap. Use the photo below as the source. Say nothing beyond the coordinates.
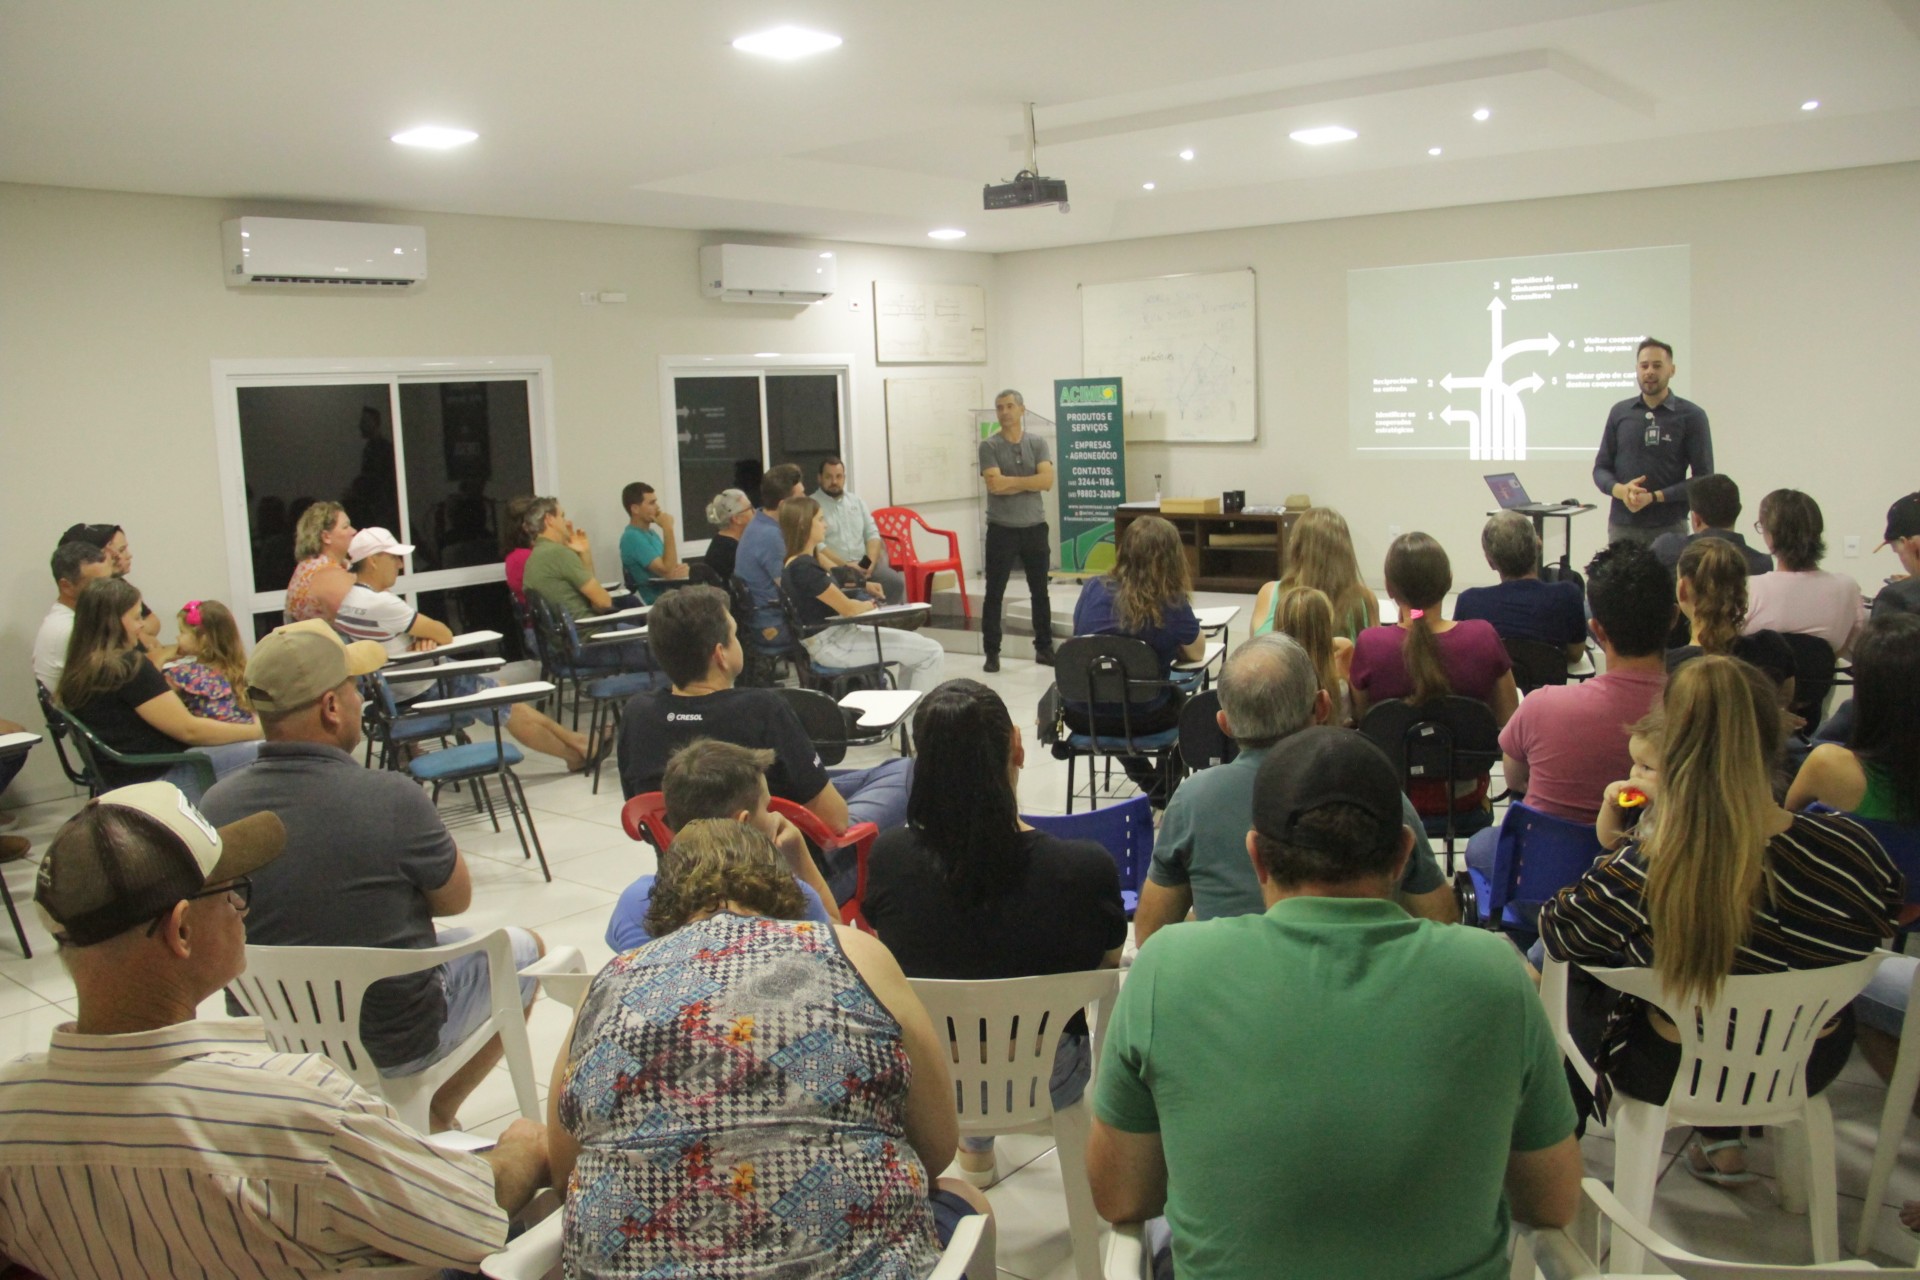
(1903, 519)
(1323, 766)
(94, 535)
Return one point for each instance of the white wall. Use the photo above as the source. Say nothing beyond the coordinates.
(1804, 338)
(112, 305)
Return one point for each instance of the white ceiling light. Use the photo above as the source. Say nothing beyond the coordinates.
(1811, 104)
(787, 43)
(1146, 186)
(947, 233)
(766, 355)
(1483, 115)
(1321, 136)
(438, 137)
(1187, 154)
(1433, 151)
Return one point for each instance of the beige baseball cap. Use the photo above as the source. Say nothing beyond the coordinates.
(97, 881)
(297, 663)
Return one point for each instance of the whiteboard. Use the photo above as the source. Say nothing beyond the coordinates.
(929, 323)
(1183, 347)
(933, 439)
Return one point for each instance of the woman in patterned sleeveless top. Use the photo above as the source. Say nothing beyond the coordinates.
(320, 581)
(752, 1093)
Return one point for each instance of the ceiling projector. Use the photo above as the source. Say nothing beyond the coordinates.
(1028, 188)
(1025, 191)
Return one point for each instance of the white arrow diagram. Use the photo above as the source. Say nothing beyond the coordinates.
(685, 437)
(1452, 383)
(1451, 415)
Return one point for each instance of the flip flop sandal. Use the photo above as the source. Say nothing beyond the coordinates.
(1704, 1168)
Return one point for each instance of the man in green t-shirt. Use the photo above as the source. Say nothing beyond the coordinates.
(1370, 1095)
(560, 570)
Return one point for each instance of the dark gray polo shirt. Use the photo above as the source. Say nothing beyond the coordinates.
(1662, 444)
(1015, 510)
(364, 847)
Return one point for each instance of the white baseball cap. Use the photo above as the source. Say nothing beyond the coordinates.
(371, 542)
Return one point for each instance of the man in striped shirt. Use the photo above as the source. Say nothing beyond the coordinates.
(146, 1143)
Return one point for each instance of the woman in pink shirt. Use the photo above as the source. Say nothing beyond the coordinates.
(1799, 596)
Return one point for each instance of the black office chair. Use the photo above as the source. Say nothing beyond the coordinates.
(1446, 740)
(767, 660)
(80, 775)
(1535, 663)
(1813, 674)
(1112, 671)
(838, 681)
(1202, 744)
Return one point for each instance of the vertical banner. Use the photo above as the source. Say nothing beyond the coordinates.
(1092, 469)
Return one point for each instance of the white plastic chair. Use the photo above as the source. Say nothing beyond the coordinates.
(1001, 1036)
(535, 1253)
(1893, 1120)
(1571, 1254)
(1127, 1255)
(308, 1000)
(1743, 1061)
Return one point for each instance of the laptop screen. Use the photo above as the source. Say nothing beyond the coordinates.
(1508, 491)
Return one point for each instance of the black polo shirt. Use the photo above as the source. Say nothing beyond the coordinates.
(1663, 444)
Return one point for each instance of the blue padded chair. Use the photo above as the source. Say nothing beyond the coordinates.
(606, 691)
(1111, 671)
(766, 659)
(80, 775)
(390, 730)
(475, 762)
(1125, 830)
(1538, 855)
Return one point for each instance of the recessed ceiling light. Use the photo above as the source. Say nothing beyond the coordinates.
(787, 43)
(438, 137)
(947, 233)
(766, 355)
(1483, 115)
(1433, 151)
(1187, 154)
(1146, 186)
(1811, 104)
(1321, 136)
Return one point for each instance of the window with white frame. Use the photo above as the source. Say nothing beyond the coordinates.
(431, 450)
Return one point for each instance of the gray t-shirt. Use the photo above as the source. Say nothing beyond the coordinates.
(364, 847)
(1015, 510)
(1898, 597)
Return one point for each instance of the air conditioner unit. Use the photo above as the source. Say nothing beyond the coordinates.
(303, 251)
(762, 273)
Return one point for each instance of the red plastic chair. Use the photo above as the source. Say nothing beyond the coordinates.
(896, 530)
(645, 819)
(860, 835)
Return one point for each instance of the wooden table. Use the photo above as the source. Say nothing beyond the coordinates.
(1214, 560)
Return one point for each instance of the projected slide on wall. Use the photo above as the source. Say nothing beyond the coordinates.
(1505, 359)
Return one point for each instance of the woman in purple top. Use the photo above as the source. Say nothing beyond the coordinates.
(1423, 656)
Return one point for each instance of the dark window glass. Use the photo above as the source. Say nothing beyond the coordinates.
(718, 424)
(469, 451)
(300, 445)
(803, 421)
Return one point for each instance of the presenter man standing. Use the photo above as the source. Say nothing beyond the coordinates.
(1652, 442)
(1018, 468)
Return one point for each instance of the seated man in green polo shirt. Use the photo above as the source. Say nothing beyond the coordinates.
(1269, 691)
(1370, 1095)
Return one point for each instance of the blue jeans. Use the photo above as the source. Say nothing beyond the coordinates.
(226, 758)
(877, 795)
(469, 989)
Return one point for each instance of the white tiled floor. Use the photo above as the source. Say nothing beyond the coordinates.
(593, 860)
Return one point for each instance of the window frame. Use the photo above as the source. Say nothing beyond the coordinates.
(839, 364)
(229, 376)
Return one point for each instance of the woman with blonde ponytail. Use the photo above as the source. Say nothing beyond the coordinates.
(1723, 881)
(1423, 656)
(1711, 586)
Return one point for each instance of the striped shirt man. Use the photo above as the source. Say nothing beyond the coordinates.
(195, 1150)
